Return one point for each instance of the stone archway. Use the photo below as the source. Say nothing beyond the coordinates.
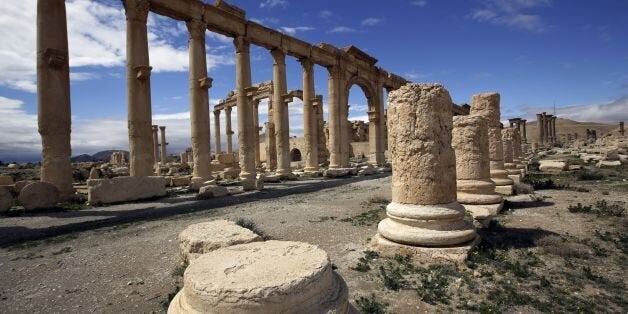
(295, 155)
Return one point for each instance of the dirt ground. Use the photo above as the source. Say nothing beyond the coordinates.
(536, 257)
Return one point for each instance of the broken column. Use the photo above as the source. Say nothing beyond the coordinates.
(424, 218)
(262, 277)
(200, 83)
(138, 69)
(517, 153)
(53, 96)
(487, 105)
(476, 191)
(524, 135)
(509, 163)
(539, 124)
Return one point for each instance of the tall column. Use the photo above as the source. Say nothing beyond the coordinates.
(271, 152)
(164, 156)
(321, 142)
(138, 88)
(229, 130)
(345, 126)
(155, 130)
(199, 99)
(217, 142)
(53, 96)
(487, 105)
(280, 112)
(258, 161)
(555, 136)
(245, 114)
(476, 191)
(539, 124)
(424, 211)
(377, 155)
(524, 135)
(509, 154)
(309, 117)
(333, 89)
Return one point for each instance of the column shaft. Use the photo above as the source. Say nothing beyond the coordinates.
(155, 130)
(280, 112)
(199, 99)
(217, 142)
(309, 117)
(271, 143)
(229, 130)
(138, 88)
(258, 162)
(245, 114)
(333, 86)
(53, 95)
(164, 156)
(539, 124)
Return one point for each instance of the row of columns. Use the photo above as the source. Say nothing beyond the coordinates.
(546, 124)
(520, 125)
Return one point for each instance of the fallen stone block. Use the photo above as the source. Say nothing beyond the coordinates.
(124, 189)
(608, 163)
(552, 166)
(211, 191)
(6, 199)
(180, 181)
(39, 195)
(337, 172)
(202, 238)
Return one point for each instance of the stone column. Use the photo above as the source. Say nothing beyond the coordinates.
(164, 156)
(309, 117)
(509, 162)
(138, 88)
(424, 218)
(476, 191)
(229, 130)
(258, 162)
(280, 112)
(373, 137)
(155, 144)
(539, 124)
(523, 130)
(199, 100)
(217, 143)
(487, 105)
(554, 135)
(621, 128)
(345, 126)
(333, 90)
(321, 142)
(53, 96)
(517, 152)
(246, 149)
(271, 152)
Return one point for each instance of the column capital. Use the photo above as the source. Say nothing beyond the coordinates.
(334, 71)
(279, 56)
(196, 28)
(228, 110)
(307, 64)
(241, 44)
(217, 112)
(162, 128)
(136, 10)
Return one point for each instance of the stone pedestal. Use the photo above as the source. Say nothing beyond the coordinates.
(53, 96)
(424, 214)
(487, 105)
(476, 191)
(262, 277)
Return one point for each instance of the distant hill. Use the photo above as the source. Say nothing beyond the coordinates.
(566, 126)
(104, 155)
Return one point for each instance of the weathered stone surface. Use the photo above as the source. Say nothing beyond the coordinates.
(552, 166)
(424, 211)
(6, 180)
(94, 173)
(19, 185)
(180, 181)
(337, 172)
(205, 237)
(262, 277)
(608, 163)
(39, 195)
(212, 191)
(124, 189)
(6, 199)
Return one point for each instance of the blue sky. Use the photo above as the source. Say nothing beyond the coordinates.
(534, 52)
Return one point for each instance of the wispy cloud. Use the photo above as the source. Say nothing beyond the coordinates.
(325, 14)
(343, 29)
(601, 31)
(273, 3)
(371, 21)
(512, 13)
(419, 3)
(604, 112)
(266, 20)
(294, 30)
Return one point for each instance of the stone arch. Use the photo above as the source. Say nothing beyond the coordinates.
(367, 88)
(295, 155)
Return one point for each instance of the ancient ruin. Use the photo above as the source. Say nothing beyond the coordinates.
(424, 219)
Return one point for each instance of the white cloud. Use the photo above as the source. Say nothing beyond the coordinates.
(342, 29)
(18, 129)
(419, 3)
(325, 14)
(273, 3)
(83, 76)
(97, 37)
(294, 30)
(604, 112)
(511, 14)
(372, 21)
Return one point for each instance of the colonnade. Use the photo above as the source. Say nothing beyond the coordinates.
(520, 125)
(546, 124)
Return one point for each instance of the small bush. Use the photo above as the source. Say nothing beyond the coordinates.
(364, 262)
(251, 225)
(588, 175)
(370, 305)
(611, 210)
(392, 277)
(580, 208)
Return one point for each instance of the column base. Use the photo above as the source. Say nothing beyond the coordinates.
(311, 169)
(504, 189)
(423, 255)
